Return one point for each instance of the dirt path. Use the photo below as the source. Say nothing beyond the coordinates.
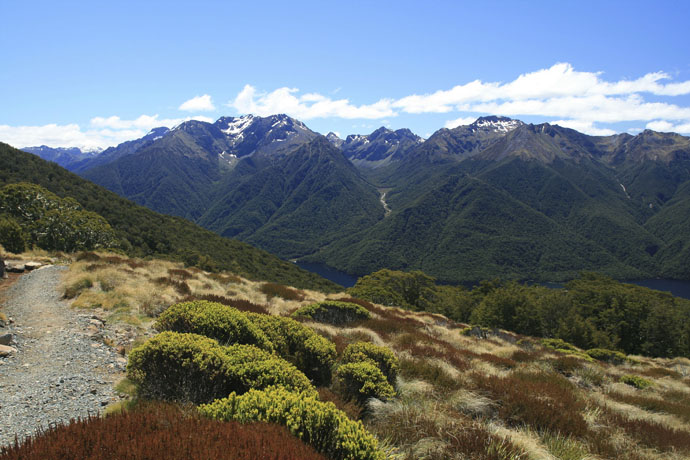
(60, 370)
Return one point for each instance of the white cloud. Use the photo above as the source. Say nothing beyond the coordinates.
(665, 126)
(101, 132)
(306, 106)
(462, 121)
(582, 100)
(198, 104)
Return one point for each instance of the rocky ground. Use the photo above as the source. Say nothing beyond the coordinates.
(55, 365)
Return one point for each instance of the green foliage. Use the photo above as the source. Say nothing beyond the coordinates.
(414, 291)
(312, 354)
(225, 324)
(190, 367)
(635, 381)
(382, 357)
(141, 232)
(609, 356)
(362, 380)
(54, 223)
(333, 312)
(11, 235)
(317, 423)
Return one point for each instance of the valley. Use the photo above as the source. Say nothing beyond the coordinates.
(495, 198)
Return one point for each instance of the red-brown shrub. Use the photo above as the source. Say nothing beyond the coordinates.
(650, 433)
(545, 401)
(181, 287)
(278, 290)
(162, 432)
(363, 303)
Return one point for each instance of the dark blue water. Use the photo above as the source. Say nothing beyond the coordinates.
(676, 287)
(329, 273)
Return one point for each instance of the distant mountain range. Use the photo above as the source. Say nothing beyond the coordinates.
(496, 198)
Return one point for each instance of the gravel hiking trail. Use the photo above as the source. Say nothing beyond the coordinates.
(61, 370)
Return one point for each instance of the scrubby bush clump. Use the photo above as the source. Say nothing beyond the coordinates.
(363, 380)
(317, 423)
(162, 432)
(636, 381)
(190, 367)
(11, 236)
(609, 356)
(333, 312)
(382, 357)
(300, 345)
(214, 320)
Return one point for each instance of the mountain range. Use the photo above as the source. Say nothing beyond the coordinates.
(495, 198)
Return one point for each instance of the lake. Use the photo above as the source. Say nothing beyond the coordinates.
(676, 287)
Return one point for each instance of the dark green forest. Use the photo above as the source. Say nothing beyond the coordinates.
(591, 311)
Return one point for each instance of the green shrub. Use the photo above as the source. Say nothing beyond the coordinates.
(333, 312)
(560, 345)
(312, 354)
(382, 357)
(191, 367)
(636, 381)
(609, 356)
(317, 423)
(11, 236)
(363, 380)
(225, 324)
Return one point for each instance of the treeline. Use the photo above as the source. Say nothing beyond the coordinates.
(593, 311)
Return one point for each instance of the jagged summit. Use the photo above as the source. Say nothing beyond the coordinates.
(496, 124)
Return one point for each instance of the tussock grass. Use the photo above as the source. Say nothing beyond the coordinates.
(503, 396)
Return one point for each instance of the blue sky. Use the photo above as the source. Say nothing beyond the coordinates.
(94, 73)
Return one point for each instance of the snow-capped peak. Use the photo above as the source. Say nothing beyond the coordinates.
(237, 125)
(496, 124)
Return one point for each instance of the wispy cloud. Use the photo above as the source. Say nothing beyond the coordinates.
(450, 124)
(306, 106)
(582, 100)
(100, 133)
(198, 104)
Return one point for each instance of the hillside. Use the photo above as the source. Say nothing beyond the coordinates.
(142, 232)
(530, 202)
(441, 388)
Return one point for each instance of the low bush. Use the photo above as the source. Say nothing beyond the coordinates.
(191, 367)
(240, 304)
(567, 365)
(333, 312)
(651, 433)
(544, 401)
(75, 288)
(363, 380)
(180, 286)
(300, 345)
(422, 369)
(560, 345)
(382, 357)
(162, 432)
(679, 409)
(284, 292)
(222, 323)
(317, 423)
(635, 381)
(608, 356)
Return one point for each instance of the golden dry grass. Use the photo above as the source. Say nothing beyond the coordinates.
(440, 395)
